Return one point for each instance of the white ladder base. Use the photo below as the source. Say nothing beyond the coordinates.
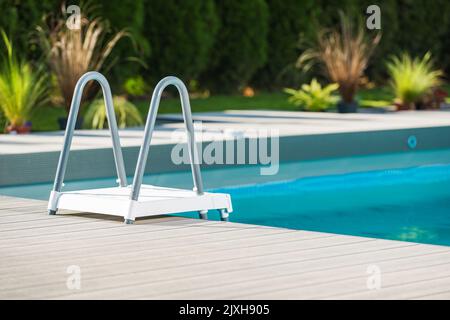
(153, 200)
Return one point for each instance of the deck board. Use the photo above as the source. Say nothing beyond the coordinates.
(178, 258)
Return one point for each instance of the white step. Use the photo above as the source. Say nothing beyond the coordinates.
(153, 200)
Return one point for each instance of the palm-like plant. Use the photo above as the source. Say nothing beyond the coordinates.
(73, 52)
(21, 87)
(344, 54)
(412, 78)
(314, 97)
(127, 114)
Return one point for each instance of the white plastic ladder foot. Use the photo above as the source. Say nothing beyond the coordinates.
(203, 214)
(224, 215)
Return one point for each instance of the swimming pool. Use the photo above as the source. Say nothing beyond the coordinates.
(408, 203)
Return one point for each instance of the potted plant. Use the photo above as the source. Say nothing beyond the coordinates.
(412, 79)
(127, 113)
(71, 52)
(344, 54)
(21, 90)
(314, 97)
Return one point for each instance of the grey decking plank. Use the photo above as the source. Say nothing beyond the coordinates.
(160, 238)
(200, 240)
(119, 230)
(60, 220)
(161, 225)
(123, 251)
(132, 265)
(191, 286)
(444, 295)
(173, 257)
(179, 263)
(76, 226)
(348, 286)
(220, 284)
(424, 282)
(305, 284)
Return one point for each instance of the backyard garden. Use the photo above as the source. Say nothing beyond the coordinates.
(303, 153)
(310, 55)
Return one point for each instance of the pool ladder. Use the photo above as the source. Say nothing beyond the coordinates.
(96, 199)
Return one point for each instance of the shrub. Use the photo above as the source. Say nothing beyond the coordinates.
(414, 26)
(18, 19)
(131, 51)
(423, 27)
(3, 121)
(390, 18)
(287, 20)
(241, 44)
(181, 34)
(344, 54)
(136, 86)
(411, 79)
(127, 114)
(21, 87)
(73, 52)
(313, 97)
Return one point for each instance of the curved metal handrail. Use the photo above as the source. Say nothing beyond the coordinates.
(151, 118)
(74, 108)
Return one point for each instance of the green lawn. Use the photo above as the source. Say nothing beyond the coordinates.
(45, 119)
(262, 101)
(376, 97)
(272, 101)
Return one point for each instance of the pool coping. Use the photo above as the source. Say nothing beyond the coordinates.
(96, 161)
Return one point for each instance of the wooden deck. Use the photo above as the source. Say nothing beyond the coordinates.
(177, 258)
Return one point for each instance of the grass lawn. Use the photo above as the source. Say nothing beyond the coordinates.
(45, 119)
(271, 101)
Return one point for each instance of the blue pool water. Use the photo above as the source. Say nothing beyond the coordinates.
(410, 204)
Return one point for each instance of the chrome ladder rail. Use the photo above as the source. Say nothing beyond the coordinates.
(149, 127)
(112, 124)
(144, 150)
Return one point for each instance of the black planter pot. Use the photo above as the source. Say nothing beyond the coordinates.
(62, 121)
(421, 106)
(344, 107)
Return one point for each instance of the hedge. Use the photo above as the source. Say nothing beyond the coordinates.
(288, 20)
(182, 35)
(415, 26)
(19, 19)
(241, 44)
(423, 26)
(227, 44)
(130, 52)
